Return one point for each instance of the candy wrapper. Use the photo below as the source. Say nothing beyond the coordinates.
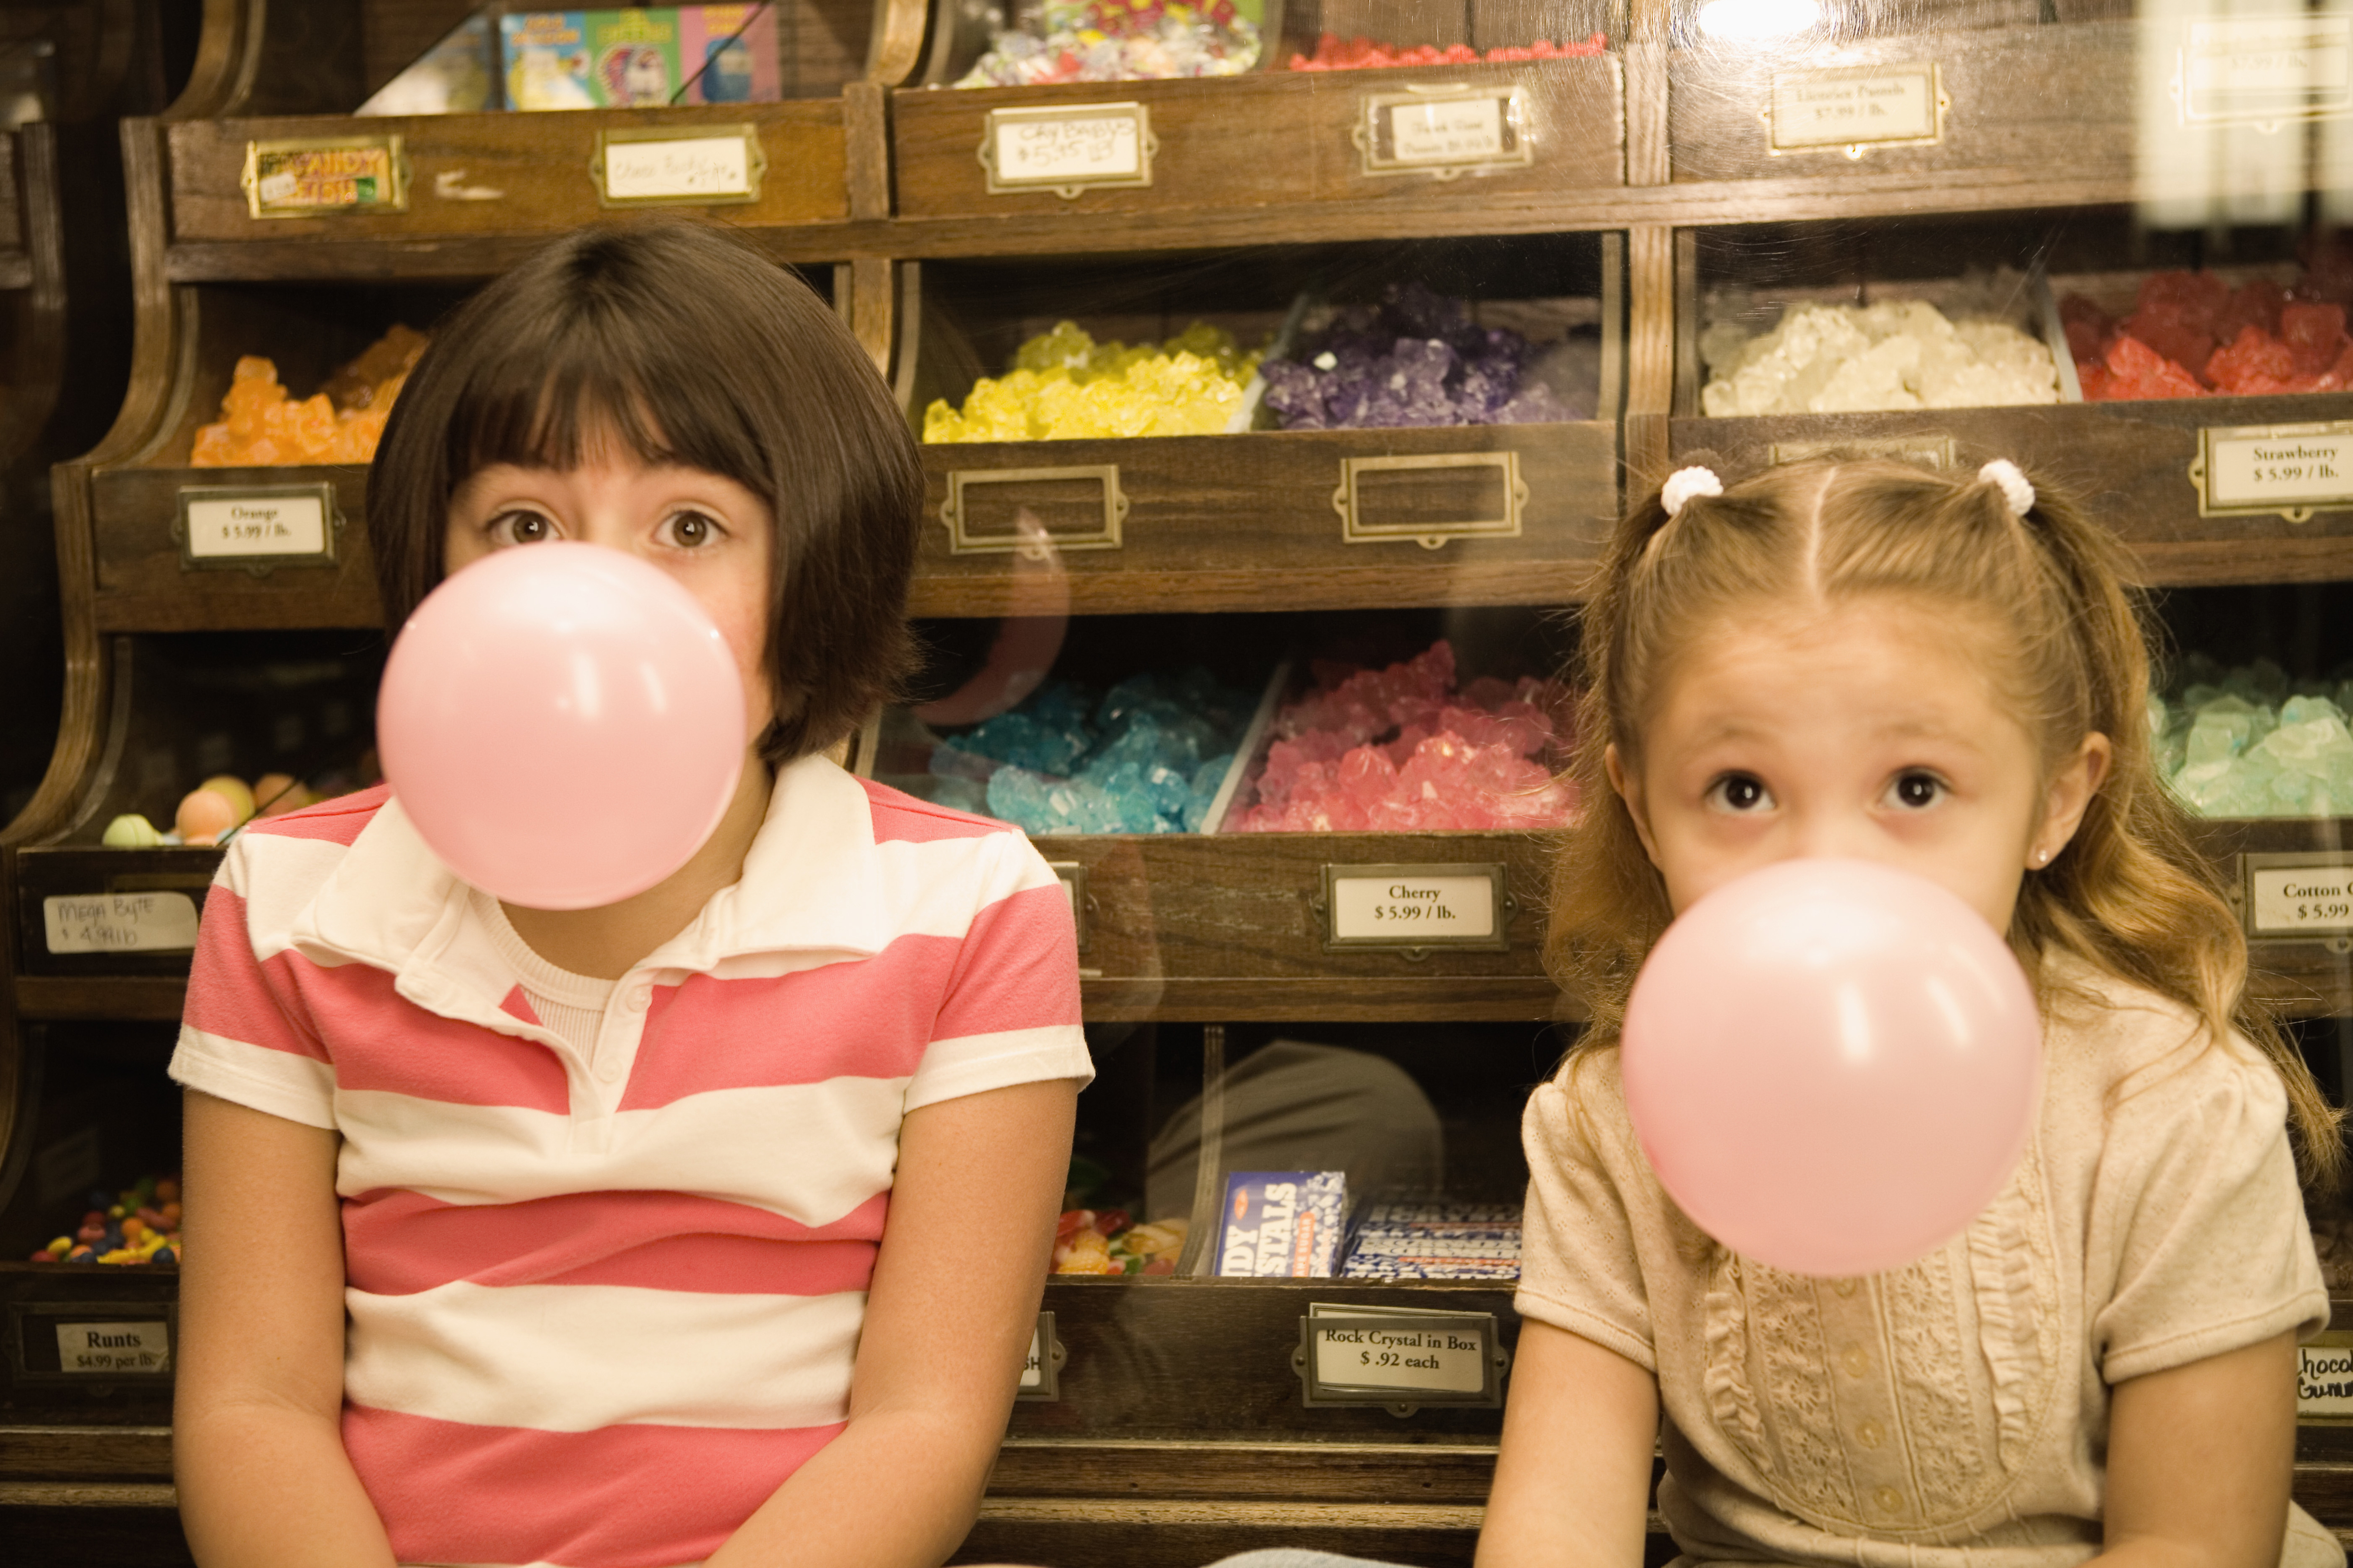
(1283, 1225)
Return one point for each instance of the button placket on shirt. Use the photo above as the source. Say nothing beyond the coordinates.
(617, 1041)
(1863, 1384)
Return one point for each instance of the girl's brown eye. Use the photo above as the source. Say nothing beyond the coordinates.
(692, 530)
(523, 526)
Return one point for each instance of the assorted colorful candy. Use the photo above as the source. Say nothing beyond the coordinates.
(2247, 742)
(262, 426)
(1064, 385)
(1418, 359)
(1846, 359)
(213, 809)
(1106, 1241)
(138, 1225)
(1401, 750)
(2190, 335)
(1334, 54)
(1119, 40)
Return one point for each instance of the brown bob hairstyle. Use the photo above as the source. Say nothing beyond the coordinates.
(685, 348)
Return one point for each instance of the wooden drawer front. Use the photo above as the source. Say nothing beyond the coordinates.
(35, 1298)
(83, 872)
(144, 584)
(503, 175)
(2054, 101)
(1251, 523)
(2131, 461)
(1276, 137)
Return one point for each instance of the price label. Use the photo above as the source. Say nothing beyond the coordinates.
(1068, 151)
(2265, 69)
(638, 167)
(114, 1348)
(1415, 906)
(1072, 875)
(2291, 470)
(121, 923)
(1041, 1374)
(1377, 1356)
(1443, 132)
(323, 178)
(2324, 1377)
(1855, 108)
(240, 527)
(2298, 895)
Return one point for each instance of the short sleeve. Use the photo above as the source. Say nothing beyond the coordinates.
(2198, 1206)
(245, 1035)
(1011, 1010)
(1578, 1268)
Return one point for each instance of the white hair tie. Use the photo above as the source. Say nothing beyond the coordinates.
(2016, 489)
(1685, 483)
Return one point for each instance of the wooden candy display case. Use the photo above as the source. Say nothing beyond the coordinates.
(1177, 1417)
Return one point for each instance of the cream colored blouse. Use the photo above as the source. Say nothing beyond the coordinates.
(1953, 1412)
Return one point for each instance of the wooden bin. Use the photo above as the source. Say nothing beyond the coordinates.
(1259, 520)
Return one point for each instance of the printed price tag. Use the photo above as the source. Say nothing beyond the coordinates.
(121, 923)
(1073, 878)
(637, 166)
(2324, 1377)
(114, 1348)
(1853, 109)
(1443, 133)
(322, 178)
(2291, 470)
(1041, 1374)
(2298, 895)
(1415, 906)
(1402, 1358)
(235, 528)
(2265, 69)
(1068, 151)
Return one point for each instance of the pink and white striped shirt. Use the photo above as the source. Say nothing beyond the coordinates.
(602, 1304)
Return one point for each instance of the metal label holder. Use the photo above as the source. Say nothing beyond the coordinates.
(1348, 501)
(1937, 451)
(1854, 148)
(1420, 944)
(26, 1317)
(1375, 133)
(1069, 187)
(1052, 1356)
(961, 542)
(2193, 106)
(2201, 472)
(755, 162)
(1074, 877)
(265, 164)
(1316, 1394)
(2338, 935)
(331, 517)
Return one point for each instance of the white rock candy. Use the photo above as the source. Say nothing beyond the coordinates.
(1842, 359)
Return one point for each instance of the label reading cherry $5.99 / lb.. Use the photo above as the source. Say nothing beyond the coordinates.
(1415, 906)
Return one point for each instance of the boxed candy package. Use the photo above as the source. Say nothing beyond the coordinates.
(648, 56)
(1283, 1225)
(1435, 1240)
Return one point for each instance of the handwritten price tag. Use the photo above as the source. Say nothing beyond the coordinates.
(1443, 133)
(121, 923)
(1068, 150)
(114, 1348)
(1856, 108)
(689, 170)
(2293, 470)
(2299, 900)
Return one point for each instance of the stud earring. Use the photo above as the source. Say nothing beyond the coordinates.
(2042, 856)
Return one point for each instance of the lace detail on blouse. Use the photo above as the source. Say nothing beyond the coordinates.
(2011, 1266)
(1944, 1433)
(1729, 1398)
(1795, 1353)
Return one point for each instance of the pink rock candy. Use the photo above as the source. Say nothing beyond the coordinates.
(1400, 751)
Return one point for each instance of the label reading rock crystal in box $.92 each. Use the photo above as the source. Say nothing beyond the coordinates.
(1374, 1354)
(680, 169)
(121, 923)
(2251, 68)
(113, 1349)
(2296, 900)
(1415, 909)
(1856, 107)
(1065, 150)
(233, 528)
(2294, 471)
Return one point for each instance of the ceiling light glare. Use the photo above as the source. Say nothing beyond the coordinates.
(1752, 20)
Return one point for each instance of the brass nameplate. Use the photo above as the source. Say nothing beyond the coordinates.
(2295, 470)
(1935, 452)
(325, 177)
(1399, 1360)
(964, 540)
(1073, 878)
(1377, 497)
(1443, 130)
(2265, 71)
(657, 166)
(1853, 109)
(2308, 894)
(1068, 151)
(1414, 909)
(255, 528)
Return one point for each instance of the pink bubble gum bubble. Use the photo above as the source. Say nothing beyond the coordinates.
(563, 723)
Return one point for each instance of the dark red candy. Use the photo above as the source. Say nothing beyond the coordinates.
(2138, 372)
(2251, 364)
(2256, 304)
(2315, 335)
(2091, 376)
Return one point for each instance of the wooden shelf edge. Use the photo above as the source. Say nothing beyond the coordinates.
(85, 1453)
(140, 998)
(1406, 586)
(1337, 999)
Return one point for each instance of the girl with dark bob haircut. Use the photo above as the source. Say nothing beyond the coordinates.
(707, 1226)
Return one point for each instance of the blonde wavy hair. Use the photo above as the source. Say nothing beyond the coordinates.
(2129, 895)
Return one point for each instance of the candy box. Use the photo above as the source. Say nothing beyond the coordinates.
(1283, 1225)
(729, 53)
